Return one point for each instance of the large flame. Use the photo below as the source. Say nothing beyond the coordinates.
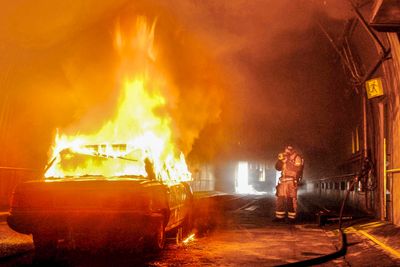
(141, 121)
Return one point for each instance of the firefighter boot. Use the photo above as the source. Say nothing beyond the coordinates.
(279, 216)
(291, 217)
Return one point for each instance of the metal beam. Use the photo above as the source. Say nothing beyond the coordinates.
(368, 28)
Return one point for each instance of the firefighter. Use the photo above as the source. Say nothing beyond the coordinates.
(291, 164)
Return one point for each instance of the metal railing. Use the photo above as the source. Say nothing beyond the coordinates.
(202, 185)
(393, 170)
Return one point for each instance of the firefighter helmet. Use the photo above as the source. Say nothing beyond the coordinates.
(289, 149)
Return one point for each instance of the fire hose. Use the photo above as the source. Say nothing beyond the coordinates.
(342, 239)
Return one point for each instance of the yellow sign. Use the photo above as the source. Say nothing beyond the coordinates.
(374, 88)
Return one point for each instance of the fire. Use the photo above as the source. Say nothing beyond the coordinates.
(189, 239)
(141, 123)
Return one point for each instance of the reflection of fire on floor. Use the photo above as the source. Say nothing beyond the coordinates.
(251, 208)
(248, 206)
(272, 245)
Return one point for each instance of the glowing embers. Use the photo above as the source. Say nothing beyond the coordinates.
(188, 239)
(142, 121)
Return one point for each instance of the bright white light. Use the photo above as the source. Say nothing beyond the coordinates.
(242, 183)
(277, 176)
(242, 180)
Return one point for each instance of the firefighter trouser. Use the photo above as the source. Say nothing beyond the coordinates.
(286, 192)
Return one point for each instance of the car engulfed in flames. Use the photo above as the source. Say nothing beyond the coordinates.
(127, 207)
(125, 179)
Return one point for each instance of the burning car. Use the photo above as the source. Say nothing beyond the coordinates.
(101, 195)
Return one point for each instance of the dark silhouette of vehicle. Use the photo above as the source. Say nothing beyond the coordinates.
(97, 211)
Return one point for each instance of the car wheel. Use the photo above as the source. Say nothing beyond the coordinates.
(45, 247)
(156, 241)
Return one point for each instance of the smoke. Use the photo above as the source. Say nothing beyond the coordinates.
(64, 74)
(281, 71)
(283, 80)
(248, 76)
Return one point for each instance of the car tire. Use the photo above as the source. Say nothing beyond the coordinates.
(156, 241)
(45, 247)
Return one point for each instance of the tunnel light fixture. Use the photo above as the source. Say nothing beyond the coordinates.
(242, 180)
(242, 176)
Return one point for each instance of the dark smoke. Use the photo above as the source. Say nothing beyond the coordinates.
(284, 79)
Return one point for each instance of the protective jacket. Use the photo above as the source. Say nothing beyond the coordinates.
(291, 166)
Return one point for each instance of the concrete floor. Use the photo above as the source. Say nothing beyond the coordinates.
(238, 231)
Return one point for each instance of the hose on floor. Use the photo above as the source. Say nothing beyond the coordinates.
(342, 239)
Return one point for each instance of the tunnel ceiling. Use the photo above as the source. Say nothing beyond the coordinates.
(277, 76)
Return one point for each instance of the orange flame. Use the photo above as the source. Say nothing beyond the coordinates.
(141, 121)
(189, 239)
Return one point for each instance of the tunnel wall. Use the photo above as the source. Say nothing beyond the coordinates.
(334, 191)
(382, 118)
(363, 55)
(392, 74)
